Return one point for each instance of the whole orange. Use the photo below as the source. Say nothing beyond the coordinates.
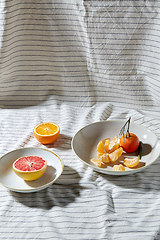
(129, 142)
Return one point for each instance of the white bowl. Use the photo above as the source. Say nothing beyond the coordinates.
(84, 144)
(10, 180)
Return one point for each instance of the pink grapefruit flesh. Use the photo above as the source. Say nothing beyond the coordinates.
(30, 167)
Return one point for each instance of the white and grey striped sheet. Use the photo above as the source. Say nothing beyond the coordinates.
(74, 63)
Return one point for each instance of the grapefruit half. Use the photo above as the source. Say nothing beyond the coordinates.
(30, 167)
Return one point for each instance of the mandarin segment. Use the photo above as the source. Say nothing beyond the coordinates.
(119, 167)
(114, 141)
(114, 147)
(100, 147)
(96, 162)
(116, 154)
(99, 154)
(131, 162)
(104, 158)
(106, 145)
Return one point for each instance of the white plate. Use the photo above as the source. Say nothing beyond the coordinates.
(84, 145)
(10, 180)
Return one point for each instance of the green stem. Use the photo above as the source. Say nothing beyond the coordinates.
(140, 150)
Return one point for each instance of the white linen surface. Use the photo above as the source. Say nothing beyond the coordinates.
(75, 63)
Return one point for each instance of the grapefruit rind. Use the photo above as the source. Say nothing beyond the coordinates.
(46, 139)
(29, 175)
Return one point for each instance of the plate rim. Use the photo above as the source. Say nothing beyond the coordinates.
(105, 171)
(40, 187)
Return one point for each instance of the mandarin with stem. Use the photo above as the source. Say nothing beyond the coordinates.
(129, 141)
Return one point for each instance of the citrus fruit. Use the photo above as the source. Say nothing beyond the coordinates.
(106, 146)
(131, 162)
(104, 158)
(129, 142)
(114, 147)
(119, 167)
(96, 162)
(30, 167)
(47, 132)
(100, 147)
(114, 140)
(116, 154)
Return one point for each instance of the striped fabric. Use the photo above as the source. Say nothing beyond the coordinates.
(75, 63)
